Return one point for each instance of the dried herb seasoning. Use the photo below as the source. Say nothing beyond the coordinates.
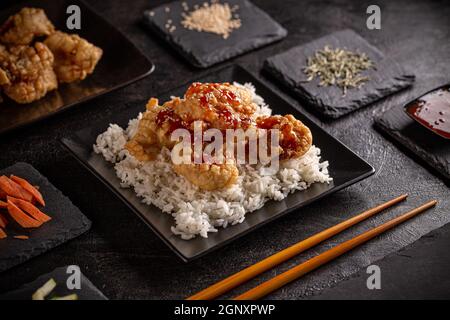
(339, 67)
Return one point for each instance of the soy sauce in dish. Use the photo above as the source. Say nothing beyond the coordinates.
(433, 111)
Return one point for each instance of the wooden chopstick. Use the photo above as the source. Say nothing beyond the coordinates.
(313, 263)
(252, 271)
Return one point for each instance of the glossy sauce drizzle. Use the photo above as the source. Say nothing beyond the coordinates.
(169, 116)
(289, 139)
(227, 99)
(433, 111)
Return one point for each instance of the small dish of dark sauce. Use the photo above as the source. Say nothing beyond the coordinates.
(432, 111)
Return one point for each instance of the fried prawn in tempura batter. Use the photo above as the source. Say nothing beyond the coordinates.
(26, 72)
(75, 58)
(221, 106)
(24, 26)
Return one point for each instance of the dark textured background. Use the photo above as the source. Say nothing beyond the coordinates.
(125, 260)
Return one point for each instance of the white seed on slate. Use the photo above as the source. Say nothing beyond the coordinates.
(215, 18)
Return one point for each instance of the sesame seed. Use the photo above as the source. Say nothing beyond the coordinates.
(214, 18)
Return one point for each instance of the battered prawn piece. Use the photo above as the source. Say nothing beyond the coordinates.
(295, 138)
(4, 80)
(29, 72)
(209, 176)
(221, 105)
(24, 26)
(75, 58)
(151, 134)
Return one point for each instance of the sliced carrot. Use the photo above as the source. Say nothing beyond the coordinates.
(21, 217)
(3, 204)
(27, 186)
(2, 194)
(3, 221)
(3, 234)
(22, 237)
(30, 209)
(14, 190)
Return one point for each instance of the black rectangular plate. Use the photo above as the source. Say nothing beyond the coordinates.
(87, 291)
(345, 167)
(432, 149)
(122, 63)
(388, 77)
(67, 222)
(203, 49)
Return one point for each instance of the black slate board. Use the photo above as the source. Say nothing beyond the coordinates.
(389, 76)
(428, 146)
(427, 262)
(203, 49)
(87, 290)
(67, 222)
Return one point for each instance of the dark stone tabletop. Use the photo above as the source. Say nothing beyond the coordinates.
(125, 260)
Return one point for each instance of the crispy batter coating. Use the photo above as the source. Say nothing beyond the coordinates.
(4, 80)
(219, 106)
(21, 28)
(295, 138)
(29, 72)
(75, 58)
(149, 138)
(209, 176)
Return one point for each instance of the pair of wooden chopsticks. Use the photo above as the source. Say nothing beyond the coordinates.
(302, 269)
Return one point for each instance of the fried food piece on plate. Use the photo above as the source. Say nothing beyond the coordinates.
(209, 176)
(221, 105)
(75, 58)
(21, 28)
(29, 71)
(295, 138)
(145, 145)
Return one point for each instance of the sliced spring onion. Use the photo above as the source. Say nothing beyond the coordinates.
(45, 290)
(72, 296)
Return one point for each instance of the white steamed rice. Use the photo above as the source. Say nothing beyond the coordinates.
(197, 212)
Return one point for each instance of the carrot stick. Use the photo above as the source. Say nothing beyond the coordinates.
(3, 204)
(30, 209)
(27, 186)
(22, 237)
(3, 221)
(14, 190)
(3, 234)
(21, 218)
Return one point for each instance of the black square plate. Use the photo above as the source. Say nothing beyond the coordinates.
(87, 291)
(67, 222)
(204, 49)
(387, 78)
(345, 167)
(122, 63)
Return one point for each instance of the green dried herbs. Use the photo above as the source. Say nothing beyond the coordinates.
(338, 67)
